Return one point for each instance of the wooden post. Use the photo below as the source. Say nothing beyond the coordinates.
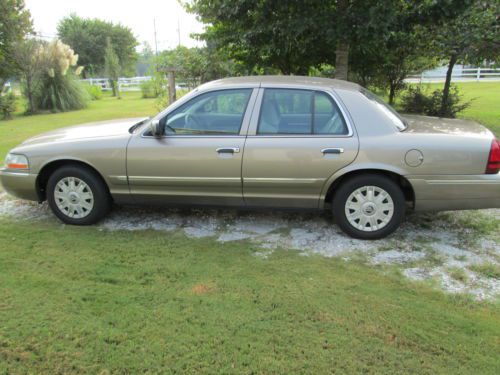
(172, 97)
(170, 72)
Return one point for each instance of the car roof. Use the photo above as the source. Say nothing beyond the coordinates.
(302, 81)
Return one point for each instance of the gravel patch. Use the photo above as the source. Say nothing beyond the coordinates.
(425, 246)
(397, 257)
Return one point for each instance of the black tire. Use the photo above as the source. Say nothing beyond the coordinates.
(349, 186)
(100, 194)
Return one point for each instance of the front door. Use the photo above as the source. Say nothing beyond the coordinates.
(297, 141)
(198, 161)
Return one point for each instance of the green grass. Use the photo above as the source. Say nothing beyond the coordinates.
(22, 127)
(489, 270)
(458, 274)
(485, 106)
(79, 300)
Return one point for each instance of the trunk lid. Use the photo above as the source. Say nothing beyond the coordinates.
(451, 126)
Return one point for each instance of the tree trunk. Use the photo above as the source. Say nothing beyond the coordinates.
(392, 93)
(29, 92)
(342, 49)
(447, 84)
(341, 60)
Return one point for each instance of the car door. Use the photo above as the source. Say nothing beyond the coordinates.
(198, 160)
(297, 139)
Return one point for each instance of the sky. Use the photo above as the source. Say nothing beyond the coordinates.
(139, 16)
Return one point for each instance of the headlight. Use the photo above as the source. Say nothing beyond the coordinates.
(15, 161)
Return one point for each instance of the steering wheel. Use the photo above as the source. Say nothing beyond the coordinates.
(189, 118)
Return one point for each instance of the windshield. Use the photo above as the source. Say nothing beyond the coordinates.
(395, 118)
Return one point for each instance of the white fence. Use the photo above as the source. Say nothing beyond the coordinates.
(461, 75)
(125, 84)
(438, 75)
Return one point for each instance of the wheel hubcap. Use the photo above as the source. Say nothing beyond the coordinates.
(74, 197)
(369, 208)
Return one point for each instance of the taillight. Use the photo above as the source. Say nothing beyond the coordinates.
(493, 165)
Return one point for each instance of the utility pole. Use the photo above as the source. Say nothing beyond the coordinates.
(179, 31)
(156, 43)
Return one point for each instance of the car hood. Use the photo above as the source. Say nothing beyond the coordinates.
(452, 126)
(103, 129)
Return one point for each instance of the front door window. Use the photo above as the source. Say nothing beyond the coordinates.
(212, 113)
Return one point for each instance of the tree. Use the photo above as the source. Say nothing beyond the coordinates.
(295, 35)
(145, 60)
(472, 37)
(15, 23)
(112, 68)
(289, 36)
(386, 62)
(88, 37)
(198, 65)
(29, 63)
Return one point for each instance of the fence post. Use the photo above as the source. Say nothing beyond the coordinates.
(478, 75)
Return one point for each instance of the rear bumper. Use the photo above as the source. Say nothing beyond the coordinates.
(456, 192)
(19, 184)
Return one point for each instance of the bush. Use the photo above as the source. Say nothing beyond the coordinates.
(94, 92)
(61, 93)
(59, 88)
(415, 100)
(7, 105)
(150, 89)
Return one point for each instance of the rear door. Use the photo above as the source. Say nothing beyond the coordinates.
(297, 139)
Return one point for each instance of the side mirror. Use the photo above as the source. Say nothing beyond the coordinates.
(155, 128)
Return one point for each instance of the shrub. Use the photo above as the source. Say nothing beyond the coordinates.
(59, 89)
(94, 92)
(150, 89)
(7, 105)
(415, 100)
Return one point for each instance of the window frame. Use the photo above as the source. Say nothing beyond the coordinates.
(250, 105)
(255, 121)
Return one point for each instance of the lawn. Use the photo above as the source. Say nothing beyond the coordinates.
(90, 300)
(78, 300)
(485, 105)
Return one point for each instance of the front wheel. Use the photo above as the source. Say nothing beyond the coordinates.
(77, 195)
(369, 206)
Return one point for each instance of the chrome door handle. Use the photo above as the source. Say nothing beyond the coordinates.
(333, 151)
(228, 150)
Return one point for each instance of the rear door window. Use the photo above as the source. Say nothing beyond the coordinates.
(294, 111)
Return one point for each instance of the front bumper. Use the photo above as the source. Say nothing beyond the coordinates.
(456, 192)
(19, 184)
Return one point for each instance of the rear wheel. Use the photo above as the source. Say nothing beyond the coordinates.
(369, 206)
(77, 195)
